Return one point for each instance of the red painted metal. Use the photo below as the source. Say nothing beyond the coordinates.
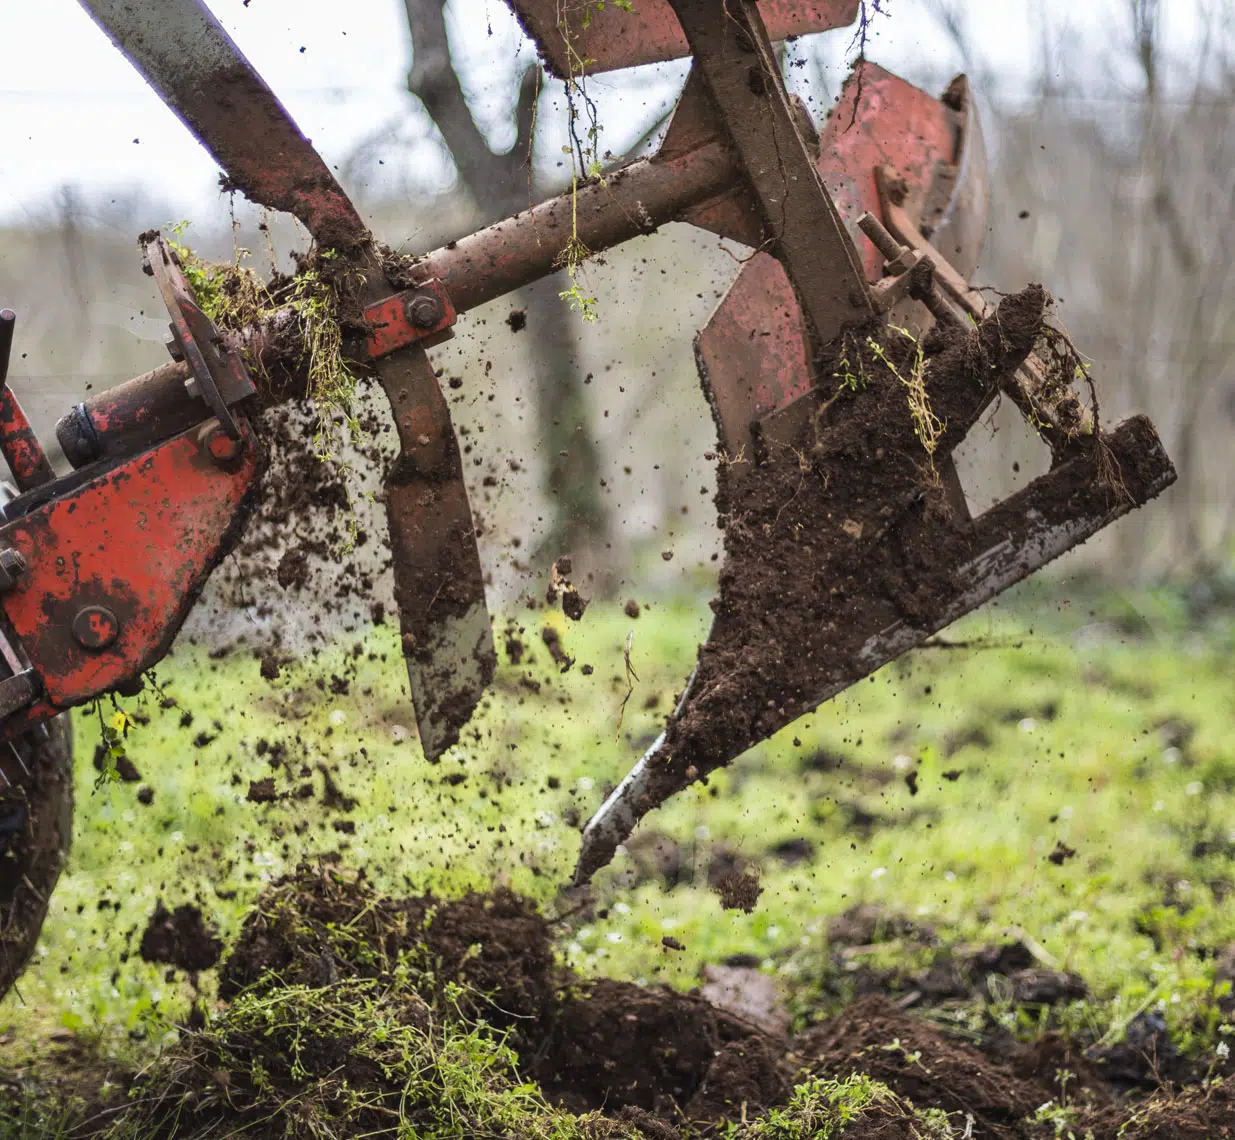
(416, 314)
(139, 540)
(752, 353)
(898, 126)
(650, 33)
(21, 448)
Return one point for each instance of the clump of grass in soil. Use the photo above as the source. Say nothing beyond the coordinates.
(312, 308)
(357, 1057)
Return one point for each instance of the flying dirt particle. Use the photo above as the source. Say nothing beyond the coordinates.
(666, 555)
(293, 570)
(911, 782)
(1061, 854)
(262, 791)
(145, 795)
(270, 667)
(671, 943)
(739, 890)
(631, 608)
(573, 604)
(587, 670)
(553, 643)
(180, 938)
(952, 775)
(517, 320)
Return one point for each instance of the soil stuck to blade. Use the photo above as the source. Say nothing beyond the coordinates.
(348, 1013)
(843, 527)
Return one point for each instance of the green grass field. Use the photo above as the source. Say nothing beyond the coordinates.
(1106, 731)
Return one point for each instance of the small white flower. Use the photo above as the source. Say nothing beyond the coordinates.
(1159, 805)
(901, 762)
(1078, 916)
(1171, 756)
(1195, 788)
(773, 931)
(949, 876)
(614, 936)
(879, 872)
(1027, 725)
(702, 832)
(177, 837)
(125, 847)
(337, 717)
(1223, 1050)
(621, 908)
(1065, 813)
(586, 783)
(264, 859)
(398, 732)
(545, 819)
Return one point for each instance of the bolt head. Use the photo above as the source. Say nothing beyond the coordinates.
(95, 627)
(222, 448)
(424, 311)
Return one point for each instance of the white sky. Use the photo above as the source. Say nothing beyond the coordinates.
(74, 112)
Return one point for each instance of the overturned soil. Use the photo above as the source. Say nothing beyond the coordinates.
(632, 1061)
(848, 497)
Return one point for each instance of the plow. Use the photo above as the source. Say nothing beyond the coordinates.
(850, 357)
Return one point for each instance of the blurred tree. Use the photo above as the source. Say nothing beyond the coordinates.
(502, 184)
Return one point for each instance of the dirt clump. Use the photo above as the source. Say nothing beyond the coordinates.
(916, 1061)
(262, 791)
(739, 890)
(180, 938)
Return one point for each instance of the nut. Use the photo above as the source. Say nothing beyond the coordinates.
(424, 311)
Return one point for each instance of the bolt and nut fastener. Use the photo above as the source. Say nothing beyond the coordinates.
(424, 311)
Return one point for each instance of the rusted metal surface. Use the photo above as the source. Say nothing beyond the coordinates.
(417, 314)
(736, 59)
(185, 54)
(650, 32)
(899, 127)
(752, 354)
(636, 199)
(218, 377)
(19, 445)
(439, 584)
(129, 417)
(1007, 544)
(139, 541)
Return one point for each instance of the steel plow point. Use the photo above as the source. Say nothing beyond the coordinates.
(1012, 540)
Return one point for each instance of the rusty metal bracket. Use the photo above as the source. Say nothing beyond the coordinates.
(421, 314)
(217, 375)
(735, 56)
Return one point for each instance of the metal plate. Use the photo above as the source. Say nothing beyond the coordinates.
(650, 33)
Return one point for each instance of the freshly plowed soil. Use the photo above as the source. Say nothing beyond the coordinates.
(642, 1061)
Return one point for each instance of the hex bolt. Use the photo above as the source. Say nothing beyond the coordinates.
(218, 444)
(12, 566)
(95, 627)
(424, 311)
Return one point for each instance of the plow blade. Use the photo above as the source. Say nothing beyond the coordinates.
(439, 584)
(1007, 544)
(186, 55)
